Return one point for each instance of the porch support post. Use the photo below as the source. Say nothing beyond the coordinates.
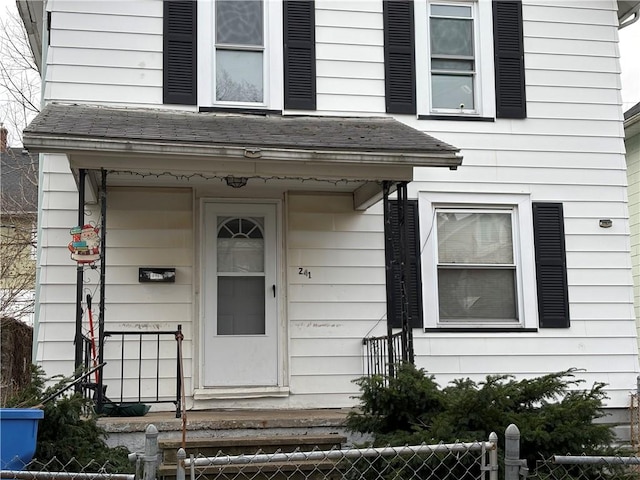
(79, 344)
(388, 259)
(403, 225)
(103, 267)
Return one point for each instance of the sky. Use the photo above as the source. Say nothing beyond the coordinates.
(629, 59)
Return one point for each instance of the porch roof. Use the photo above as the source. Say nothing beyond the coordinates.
(364, 150)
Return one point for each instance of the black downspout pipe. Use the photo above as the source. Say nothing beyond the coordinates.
(103, 239)
(82, 173)
(388, 259)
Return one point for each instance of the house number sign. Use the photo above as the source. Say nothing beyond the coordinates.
(304, 272)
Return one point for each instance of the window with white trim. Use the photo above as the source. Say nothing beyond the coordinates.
(240, 53)
(452, 56)
(454, 61)
(478, 265)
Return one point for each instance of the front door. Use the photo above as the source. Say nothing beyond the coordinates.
(240, 293)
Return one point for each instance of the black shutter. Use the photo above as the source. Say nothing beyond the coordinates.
(399, 56)
(394, 270)
(180, 54)
(551, 267)
(299, 55)
(511, 101)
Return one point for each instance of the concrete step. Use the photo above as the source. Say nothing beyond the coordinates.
(216, 446)
(299, 470)
(209, 447)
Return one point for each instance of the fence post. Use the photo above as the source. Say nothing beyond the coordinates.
(150, 453)
(512, 461)
(493, 457)
(180, 473)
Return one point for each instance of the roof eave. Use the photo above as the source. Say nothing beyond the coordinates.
(628, 12)
(38, 143)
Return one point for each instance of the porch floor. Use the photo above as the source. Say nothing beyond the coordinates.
(230, 420)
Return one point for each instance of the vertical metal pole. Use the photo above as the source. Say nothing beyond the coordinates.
(512, 461)
(79, 282)
(150, 453)
(407, 332)
(179, 372)
(180, 473)
(388, 259)
(493, 457)
(103, 266)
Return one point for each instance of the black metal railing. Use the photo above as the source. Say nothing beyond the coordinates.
(382, 354)
(131, 354)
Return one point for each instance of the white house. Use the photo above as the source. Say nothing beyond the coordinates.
(504, 116)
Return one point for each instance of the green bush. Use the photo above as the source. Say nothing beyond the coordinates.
(69, 431)
(553, 414)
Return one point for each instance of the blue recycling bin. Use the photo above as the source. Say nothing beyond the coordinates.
(18, 435)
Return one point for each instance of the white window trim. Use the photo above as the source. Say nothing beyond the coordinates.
(273, 58)
(484, 88)
(522, 217)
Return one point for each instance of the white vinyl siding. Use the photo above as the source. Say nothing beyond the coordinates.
(105, 55)
(569, 149)
(341, 302)
(349, 57)
(158, 232)
(633, 176)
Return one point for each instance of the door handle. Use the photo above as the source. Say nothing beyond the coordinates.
(274, 291)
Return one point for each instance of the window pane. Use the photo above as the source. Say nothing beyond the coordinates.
(239, 22)
(452, 91)
(476, 238)
(239, 76)
(461, 65)
(477, 294)
(451, 11)
(241, 306)
(240, 255)
(451, 37)
(240, 245)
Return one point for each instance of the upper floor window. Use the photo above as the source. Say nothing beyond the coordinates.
(454, 58)
(240, 53)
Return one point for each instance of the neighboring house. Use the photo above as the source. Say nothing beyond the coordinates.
(314, 111)
(18, 217)
(632, 144)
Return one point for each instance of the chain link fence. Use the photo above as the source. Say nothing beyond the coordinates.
(55, 469)
(460, 461)
(584, 467)
(454, 461)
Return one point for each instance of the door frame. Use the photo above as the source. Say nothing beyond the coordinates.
(202, 392)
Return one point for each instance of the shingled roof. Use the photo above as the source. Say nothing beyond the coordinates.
(68, 128)
(19, 181)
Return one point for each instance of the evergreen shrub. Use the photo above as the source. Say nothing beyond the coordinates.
(555, 416)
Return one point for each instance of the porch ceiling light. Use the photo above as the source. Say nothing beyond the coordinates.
(236, 182)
